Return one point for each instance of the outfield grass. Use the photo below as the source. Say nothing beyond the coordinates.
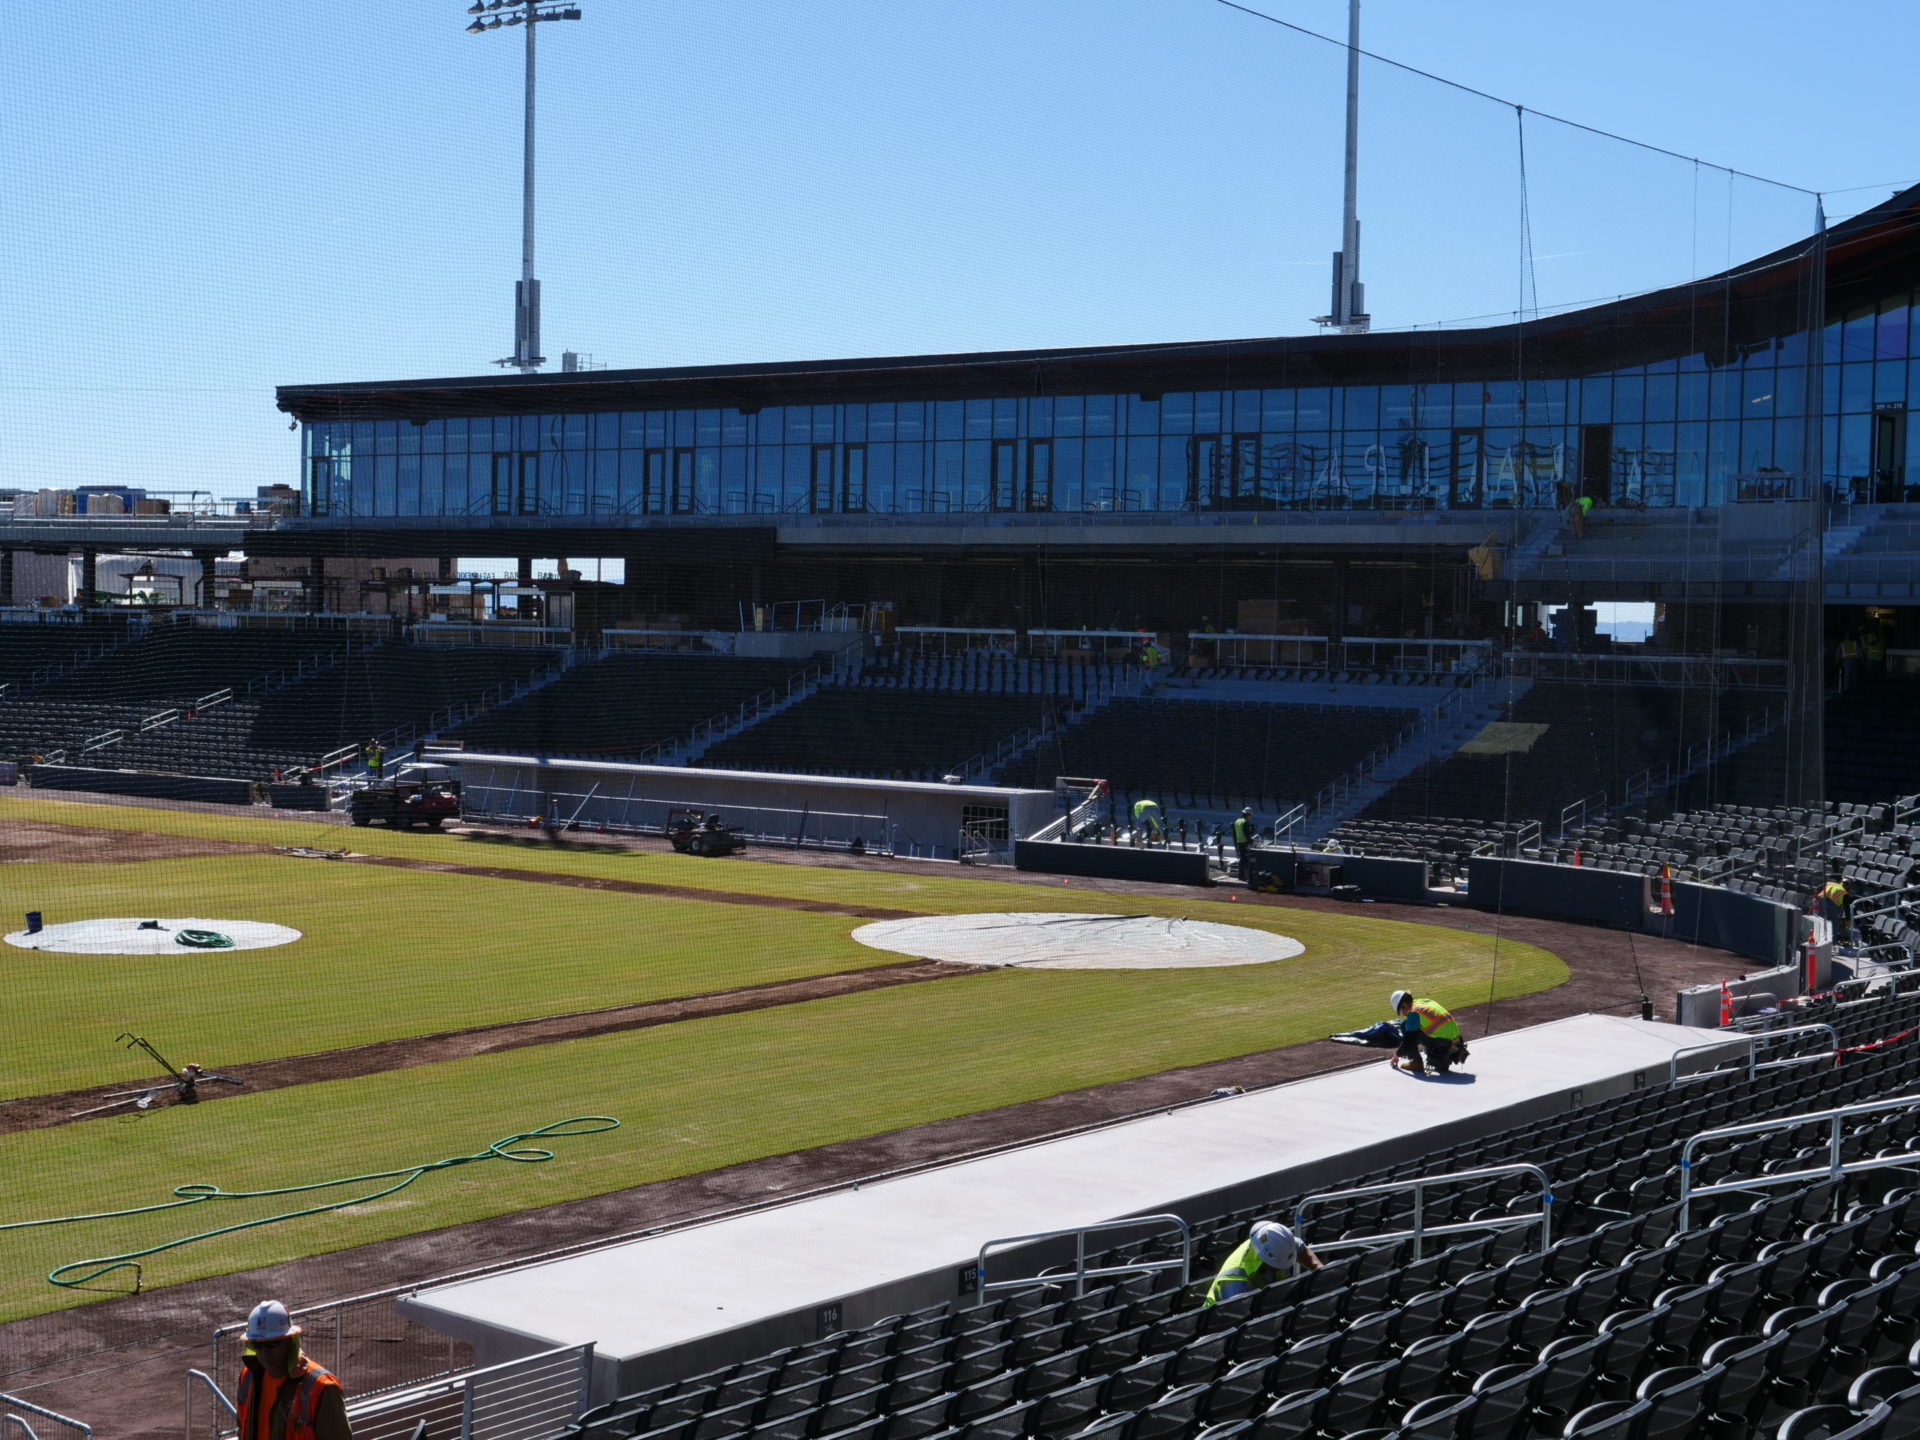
(384, 953)
(390, 953)
(691, 1097)
(524, 850)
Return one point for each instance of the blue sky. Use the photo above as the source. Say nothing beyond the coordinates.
(196, 212)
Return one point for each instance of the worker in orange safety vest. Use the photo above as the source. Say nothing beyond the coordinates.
(282, 1394)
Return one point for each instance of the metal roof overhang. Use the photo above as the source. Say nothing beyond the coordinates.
(1725, 316)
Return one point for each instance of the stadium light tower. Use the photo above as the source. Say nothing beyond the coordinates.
(492, 15)
(1349, 314)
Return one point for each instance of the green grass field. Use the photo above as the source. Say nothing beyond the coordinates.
(391, 953)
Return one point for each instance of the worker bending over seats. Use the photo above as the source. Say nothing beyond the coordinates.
(1267, 1254)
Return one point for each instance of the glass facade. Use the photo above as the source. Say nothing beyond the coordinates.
(1679, 432)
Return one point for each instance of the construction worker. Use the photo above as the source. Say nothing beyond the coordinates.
(1849, 663)
(1873, 651)
(1831, 901)
(1577, 514)
(1428, 1036)
(1264, 1256)
(282, 1394)
(375, 754)
(1243, 837)
(1148, 825)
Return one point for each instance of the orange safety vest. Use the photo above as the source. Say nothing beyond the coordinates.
(307, 1387)
(1434, 1019)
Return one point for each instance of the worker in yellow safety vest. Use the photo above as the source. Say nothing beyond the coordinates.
(1429, 1036)
(1830, 901)
(1148, 824)
(1268, 1253)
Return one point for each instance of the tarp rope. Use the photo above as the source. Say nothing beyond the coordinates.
(78, 1274)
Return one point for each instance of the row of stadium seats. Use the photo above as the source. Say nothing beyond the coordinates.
(1210, 753)
(998, 671)
(180, 663)
(28, 648)
(903, 735)
(1444, 844)
(365, 693)
(1593, 739)
(1873, 740)
(623, 704)
(1791, 1312)
(162, 670)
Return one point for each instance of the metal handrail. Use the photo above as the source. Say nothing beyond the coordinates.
(218, 1394)
(1286, 822)
(1062, 828)
(1735, 1037)
(1833, 1170)
(1080, 1273)
(14, 1402)
(1863, 912)
(1420, 1230)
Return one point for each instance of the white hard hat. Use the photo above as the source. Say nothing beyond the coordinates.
(1274, 1243)
(270, 1321)
(1401, 997)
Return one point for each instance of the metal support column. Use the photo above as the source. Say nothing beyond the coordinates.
(203, 587)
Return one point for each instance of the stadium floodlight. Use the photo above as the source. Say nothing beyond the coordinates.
(526, 357)
(1349, 312)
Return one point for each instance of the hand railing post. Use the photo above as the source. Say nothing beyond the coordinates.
(1420, 1230)
(1833, 1170)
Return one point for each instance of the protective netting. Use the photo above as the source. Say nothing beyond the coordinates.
(1538, 566)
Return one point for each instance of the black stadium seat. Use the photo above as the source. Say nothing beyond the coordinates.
(1789, 1311)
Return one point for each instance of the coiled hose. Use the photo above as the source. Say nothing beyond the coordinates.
(78, 1274)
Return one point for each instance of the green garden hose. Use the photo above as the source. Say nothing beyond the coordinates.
(78, 1273)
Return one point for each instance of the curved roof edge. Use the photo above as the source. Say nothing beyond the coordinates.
(1757, 300)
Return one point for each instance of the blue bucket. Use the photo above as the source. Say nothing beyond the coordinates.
(33, 922)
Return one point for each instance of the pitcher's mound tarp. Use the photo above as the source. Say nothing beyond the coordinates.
(146, 936)
(1054, 941)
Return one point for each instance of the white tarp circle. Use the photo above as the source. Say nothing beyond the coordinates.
(136, 936)
(1055, 941)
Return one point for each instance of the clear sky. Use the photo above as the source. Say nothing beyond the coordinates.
(204, 201)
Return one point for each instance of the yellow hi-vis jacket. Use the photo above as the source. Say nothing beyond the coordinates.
(1244, 1270)
(1435, 1022)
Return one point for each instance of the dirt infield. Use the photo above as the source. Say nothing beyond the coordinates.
(26, 842)
(642, 887)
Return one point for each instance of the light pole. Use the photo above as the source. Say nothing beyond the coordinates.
(1349, 313)
(492, 15)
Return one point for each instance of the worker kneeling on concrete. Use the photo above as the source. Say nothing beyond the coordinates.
(1429, 1037)
(1269, 1252)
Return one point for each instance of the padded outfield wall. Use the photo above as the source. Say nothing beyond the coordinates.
(902, 817)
